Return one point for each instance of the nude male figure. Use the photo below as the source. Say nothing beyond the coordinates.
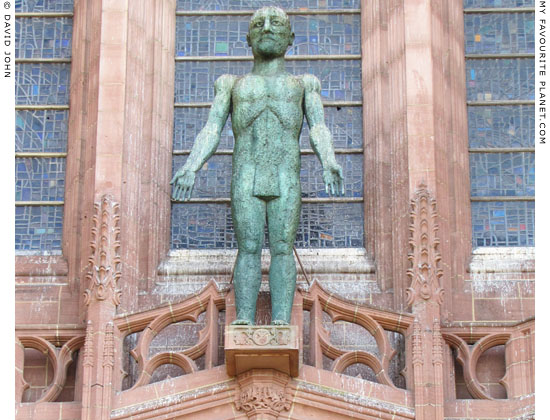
(268, 108)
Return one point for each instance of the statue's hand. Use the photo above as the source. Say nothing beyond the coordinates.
(183, 181)
(334, 179)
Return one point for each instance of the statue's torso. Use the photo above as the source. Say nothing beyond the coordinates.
(267, 116)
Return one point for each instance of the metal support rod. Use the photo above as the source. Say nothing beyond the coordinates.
(301, 265)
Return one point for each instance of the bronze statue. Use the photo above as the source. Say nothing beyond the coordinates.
(268, 107)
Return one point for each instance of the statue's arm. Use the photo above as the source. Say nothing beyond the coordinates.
(320, 137)
(208, 139)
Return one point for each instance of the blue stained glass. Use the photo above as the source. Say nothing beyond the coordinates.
(214, 178)
(256, 4)
(501, 79)
(41, 131)
(43, 38)
(345, 124)
(226, 36)
(39, 179)
(502, 174)
(501, 126)
(503, 223)
(475, 4)
(340, 79)
(202, 226)
(499, 33)
(44, 5)
(38, 228)
(331, 225)
(42, 83)
(209, 226)
(311, 176)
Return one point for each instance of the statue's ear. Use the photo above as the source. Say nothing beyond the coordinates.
(248, 39)
(291, 39)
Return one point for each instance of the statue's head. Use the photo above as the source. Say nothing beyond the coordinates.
(269, 32)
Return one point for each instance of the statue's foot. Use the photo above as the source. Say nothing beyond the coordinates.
(242, 322)
(279, 322)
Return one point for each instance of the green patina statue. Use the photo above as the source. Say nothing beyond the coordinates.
(268, 108)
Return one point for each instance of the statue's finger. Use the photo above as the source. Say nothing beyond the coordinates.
(326, 187)
(176, 192)
(332, 188)
(184, 193)
(188, 193)
(343, 187)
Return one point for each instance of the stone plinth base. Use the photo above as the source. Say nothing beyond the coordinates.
(261, 347)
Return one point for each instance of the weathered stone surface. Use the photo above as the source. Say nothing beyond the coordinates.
(261, 347)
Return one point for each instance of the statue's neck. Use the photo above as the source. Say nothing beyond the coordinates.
(268, 66)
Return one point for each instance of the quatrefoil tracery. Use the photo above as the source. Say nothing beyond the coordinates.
(60, 360)
(372, 320)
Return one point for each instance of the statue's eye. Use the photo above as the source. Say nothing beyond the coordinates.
(259, 24)
(276, 22)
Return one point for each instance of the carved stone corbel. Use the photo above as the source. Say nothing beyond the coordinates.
(104, 270)
(262, 393)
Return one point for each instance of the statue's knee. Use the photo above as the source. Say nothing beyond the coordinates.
(250, 246)
(281, 248)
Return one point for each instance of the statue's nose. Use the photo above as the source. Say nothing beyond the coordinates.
(267, 25)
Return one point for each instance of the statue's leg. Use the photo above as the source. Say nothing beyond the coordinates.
(249, 221)
(283, 216)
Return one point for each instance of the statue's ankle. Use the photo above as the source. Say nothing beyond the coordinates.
(279, 322)
(242, 322)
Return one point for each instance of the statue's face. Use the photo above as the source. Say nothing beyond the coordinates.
(269, 33)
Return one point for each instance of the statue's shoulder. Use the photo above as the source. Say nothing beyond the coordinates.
(311, 83)
(225, 83)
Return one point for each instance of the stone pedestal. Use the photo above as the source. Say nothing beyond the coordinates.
(261, 347)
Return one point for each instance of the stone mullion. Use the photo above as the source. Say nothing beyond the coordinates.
(384, 127)
(519, 377)
(315, 328)
(437, 129)
(20, 383)
(460, 225)
(211, 359)
(425, 297)
(162, 114)
(399, 152)
(133, 145)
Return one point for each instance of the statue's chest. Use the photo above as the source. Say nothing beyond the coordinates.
(268, 92)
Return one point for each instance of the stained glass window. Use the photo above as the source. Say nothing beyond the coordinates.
(42, 81)
(215, 5)
(500, 81)
(334, 37)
